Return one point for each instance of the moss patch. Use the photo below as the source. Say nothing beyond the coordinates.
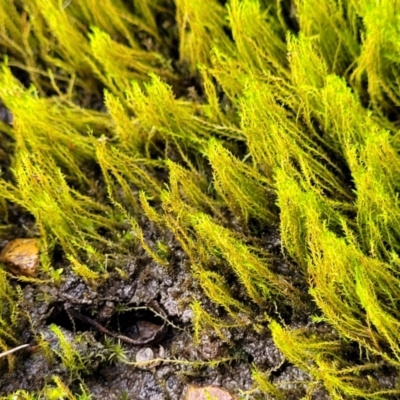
(235, 162)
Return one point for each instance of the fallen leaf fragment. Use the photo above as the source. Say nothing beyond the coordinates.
(207, 393)
(21, 256)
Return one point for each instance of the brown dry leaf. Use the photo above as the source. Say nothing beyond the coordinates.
(21, 256)
(207, 393)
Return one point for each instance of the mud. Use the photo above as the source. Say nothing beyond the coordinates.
(120, 305)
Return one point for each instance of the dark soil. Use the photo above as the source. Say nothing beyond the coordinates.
(112, 304)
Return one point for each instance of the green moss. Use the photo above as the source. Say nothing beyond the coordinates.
(263, 384)
(322, 359)
(9, 317)
(285, 129)
(246, 192)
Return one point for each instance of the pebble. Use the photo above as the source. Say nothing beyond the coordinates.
(204, 393)
(145, 355)
(21, 256)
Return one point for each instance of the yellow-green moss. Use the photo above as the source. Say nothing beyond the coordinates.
(305, 118)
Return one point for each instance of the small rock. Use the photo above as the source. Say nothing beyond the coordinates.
(21, 256)
(207, 392)
(146, 354)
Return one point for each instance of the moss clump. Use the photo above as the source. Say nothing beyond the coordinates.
(291, 127)
(9, 317)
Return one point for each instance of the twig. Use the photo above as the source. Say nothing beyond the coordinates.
(6, 353)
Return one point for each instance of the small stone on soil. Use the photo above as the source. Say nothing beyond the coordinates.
(21, 256)
(146, 354)
(207, 392)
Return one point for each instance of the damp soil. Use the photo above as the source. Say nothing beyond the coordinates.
(149, 298)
